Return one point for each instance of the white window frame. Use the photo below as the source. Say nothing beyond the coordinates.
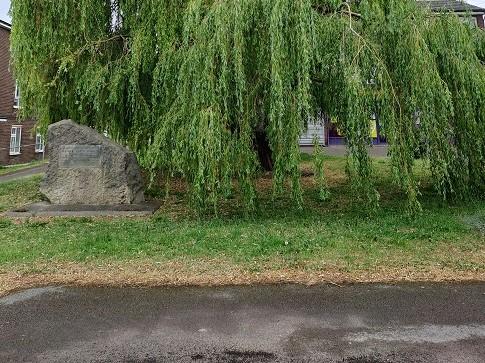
(16, 100)
(39, 143)
(16, 140)
(2, 119)
(470, 20)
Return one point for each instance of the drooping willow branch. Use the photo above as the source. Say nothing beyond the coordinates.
(213, 90)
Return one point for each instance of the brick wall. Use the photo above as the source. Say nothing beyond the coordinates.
(8, 112)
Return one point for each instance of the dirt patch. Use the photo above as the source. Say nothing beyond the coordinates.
(208, 273)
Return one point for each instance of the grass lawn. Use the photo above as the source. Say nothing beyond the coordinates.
(335, 241)
(10, 169)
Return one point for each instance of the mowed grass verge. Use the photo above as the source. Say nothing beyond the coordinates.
(336, 241)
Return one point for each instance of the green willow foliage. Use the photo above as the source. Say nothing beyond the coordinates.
(191, 84)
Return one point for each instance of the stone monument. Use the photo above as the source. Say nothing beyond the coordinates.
(87, 168)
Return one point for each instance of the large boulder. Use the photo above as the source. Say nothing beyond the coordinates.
(87, 168)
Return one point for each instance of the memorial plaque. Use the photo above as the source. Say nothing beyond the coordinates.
(79, 156)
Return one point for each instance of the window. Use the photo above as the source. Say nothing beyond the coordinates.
(3, 119)
(373, 76)
(470, 20)
(16, 100)
(39, 143)
(417, 118)
(15, 140)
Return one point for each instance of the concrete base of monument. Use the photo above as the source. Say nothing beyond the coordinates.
(45, 209)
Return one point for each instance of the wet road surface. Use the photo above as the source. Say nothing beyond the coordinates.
(286, 323)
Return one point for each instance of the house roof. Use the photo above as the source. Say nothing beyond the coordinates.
(5, 25)
(453, 5)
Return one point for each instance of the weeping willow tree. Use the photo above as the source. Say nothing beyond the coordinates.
(215, 90)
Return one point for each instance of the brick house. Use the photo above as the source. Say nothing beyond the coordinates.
(19, 142)
(470, 13)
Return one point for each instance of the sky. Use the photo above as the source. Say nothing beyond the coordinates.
(5, 5)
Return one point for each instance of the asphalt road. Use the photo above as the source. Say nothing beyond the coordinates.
(358, 324)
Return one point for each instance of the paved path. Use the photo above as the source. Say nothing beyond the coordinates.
(24, 173)
(359, 324)
(376, 151)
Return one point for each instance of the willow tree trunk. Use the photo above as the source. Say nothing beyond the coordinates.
(261, 145)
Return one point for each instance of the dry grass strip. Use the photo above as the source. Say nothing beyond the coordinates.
(210, 273)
